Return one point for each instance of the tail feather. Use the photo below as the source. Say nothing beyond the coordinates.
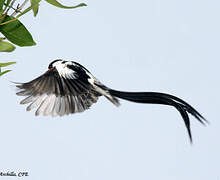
(166, 99)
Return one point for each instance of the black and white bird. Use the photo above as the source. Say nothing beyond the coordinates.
(67, 87)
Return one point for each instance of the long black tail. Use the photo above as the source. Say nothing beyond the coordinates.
(161, 98)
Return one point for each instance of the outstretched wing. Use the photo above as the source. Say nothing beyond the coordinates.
(56, 95)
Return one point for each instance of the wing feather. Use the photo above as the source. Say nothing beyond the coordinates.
(51, 102)
(28, 99)
(55, 95)
(43, 105)
(36, 102)
(58, 104)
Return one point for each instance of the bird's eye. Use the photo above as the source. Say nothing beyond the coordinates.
(49, 67)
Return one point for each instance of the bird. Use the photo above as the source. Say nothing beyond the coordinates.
(67, 87)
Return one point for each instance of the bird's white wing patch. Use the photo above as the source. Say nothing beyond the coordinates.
(64, 71)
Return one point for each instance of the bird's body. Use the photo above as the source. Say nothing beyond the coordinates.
(68, 87)
(65, 88)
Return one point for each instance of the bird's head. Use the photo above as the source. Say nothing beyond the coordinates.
(56, 63)
(69, 69)
(64, 68)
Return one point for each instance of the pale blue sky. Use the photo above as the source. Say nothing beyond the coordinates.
(144, 45)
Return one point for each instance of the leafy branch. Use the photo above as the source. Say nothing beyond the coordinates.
(13, 31)
(3, 65)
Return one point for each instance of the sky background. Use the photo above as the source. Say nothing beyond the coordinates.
(144, 45)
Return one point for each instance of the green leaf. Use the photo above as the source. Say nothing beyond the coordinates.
(29, 8)
(1, 4)
(3, 65)
(57, 4)
(6, 47)
(6, 64)
(24, 12)
(16, 32)
(1, 73)
(35, 6)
